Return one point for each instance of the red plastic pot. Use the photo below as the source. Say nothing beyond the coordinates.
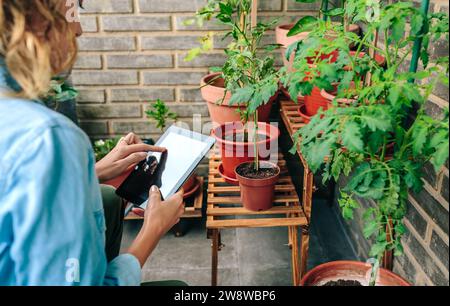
(349, 270)
(223, 112)
(316, 101)
(258, 194)
(303, 115)
(234, 153)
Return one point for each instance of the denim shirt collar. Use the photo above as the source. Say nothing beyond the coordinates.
(7, 83)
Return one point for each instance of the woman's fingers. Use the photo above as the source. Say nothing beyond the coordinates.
(132, 138)
(141, 147)
(155, 196)
(131, 159)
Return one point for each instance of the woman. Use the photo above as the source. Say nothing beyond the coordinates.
(52, 223)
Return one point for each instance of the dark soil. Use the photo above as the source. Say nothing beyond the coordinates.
(244, 137)
(248, 171)
(343, 283)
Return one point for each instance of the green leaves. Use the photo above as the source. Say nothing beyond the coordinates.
(368, 181)
(160, 113)
(348, 204)
(305, 24)
(419, 138)
(376, 118)
(61, 91)
(338, 11)
(351, 137)
(242, 95)
(375, 139)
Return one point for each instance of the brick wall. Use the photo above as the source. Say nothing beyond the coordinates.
(426, 259)
(132, 52)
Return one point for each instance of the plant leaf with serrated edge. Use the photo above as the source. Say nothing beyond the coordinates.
(351, 137)
(419, 138)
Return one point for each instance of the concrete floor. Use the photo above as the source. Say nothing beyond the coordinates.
(257, 257)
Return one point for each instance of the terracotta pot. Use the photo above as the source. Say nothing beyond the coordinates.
(349, 270)
(190, 183)
(314, 102)
(381, 60)
(120, 179)
(258, 194)
(302, 113)
(285, 41)
(331, 96)
(222, 113)
(234, 152)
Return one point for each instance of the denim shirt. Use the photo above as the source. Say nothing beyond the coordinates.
(52, 227)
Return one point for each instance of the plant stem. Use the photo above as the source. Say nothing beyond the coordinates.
(256, 140)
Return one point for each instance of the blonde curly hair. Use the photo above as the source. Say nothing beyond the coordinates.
(29, 32)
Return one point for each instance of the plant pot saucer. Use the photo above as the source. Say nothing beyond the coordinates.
(193, 190)
(229, 180)
(302, 111)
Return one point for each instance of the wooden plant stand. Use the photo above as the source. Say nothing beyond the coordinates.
(293, 122)
(224, 201)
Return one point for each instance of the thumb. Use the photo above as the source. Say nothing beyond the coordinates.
(155, 196)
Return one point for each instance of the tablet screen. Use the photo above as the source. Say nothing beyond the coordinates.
(182, 152)
(185, 150)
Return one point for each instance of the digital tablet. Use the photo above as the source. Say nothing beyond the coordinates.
(168, 170)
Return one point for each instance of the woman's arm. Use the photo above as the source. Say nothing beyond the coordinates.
(159, 218)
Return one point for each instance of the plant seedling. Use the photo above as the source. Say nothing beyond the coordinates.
(160, 113)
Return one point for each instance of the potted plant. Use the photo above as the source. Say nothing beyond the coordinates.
(288, 34)
(331, 54)
(61, 98)
(355, 141)
(246, 85)
(350, 273)
(245, 64)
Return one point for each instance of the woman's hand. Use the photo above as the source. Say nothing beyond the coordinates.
(159, 218)
(129, 151)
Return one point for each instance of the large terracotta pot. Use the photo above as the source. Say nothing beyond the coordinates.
(223, 112)
(349, 270)
(235, 152)
(282, 39)
(258, 194)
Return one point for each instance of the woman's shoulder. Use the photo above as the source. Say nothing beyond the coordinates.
(24, 121)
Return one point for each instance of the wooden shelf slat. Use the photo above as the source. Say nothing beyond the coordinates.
(256, 223)
(240, 211)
